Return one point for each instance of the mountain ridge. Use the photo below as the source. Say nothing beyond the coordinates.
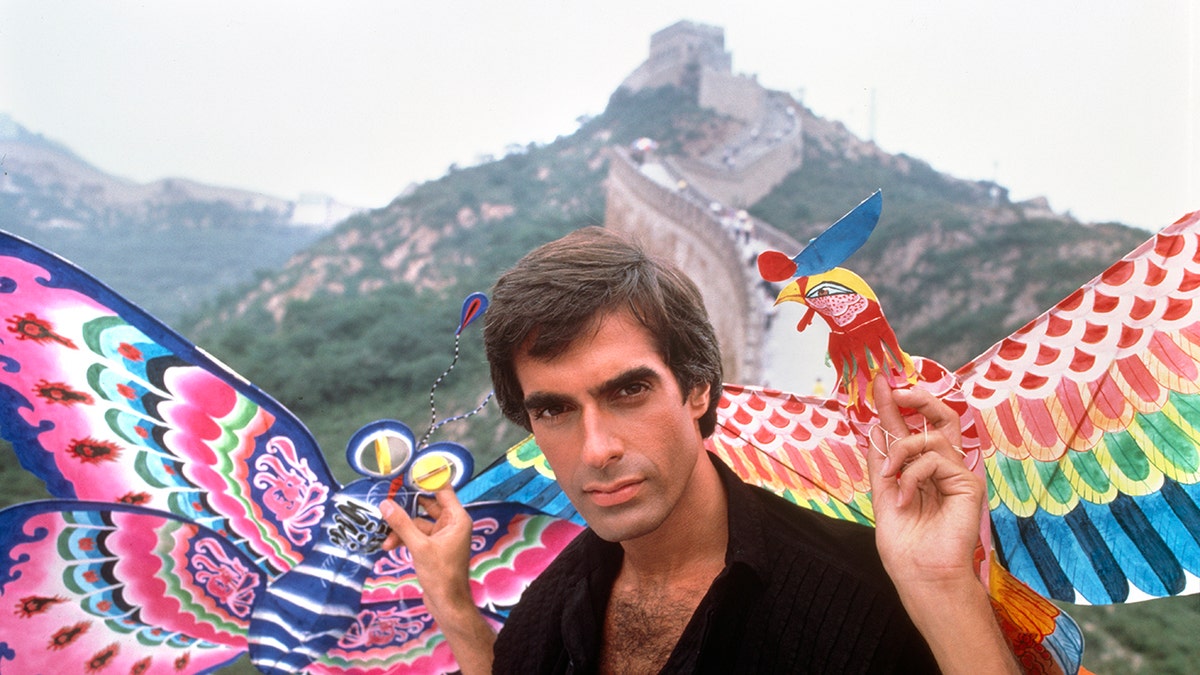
(186, 240)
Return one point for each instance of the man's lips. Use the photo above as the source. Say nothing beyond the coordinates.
(613, 493)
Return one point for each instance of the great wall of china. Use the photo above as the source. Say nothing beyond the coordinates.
(690, 211)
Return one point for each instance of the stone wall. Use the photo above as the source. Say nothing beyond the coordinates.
(739, 96)
(683, 230)
(745, 185)
(679, 51)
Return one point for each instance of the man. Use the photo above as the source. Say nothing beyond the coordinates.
(608, 357)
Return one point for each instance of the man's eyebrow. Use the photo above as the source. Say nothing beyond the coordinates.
(540, 400)
(624, 379)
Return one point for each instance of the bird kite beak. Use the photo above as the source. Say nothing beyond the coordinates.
(794, 292)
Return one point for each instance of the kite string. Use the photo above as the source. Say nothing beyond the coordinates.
(478, 409)
(434, 425)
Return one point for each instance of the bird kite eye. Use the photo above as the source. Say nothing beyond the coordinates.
(827, 288)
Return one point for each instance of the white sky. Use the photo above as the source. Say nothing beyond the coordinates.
(1091, 104)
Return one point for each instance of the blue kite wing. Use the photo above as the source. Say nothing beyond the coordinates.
(829, 249)
(522, 475)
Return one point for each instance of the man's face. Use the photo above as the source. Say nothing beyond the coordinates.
(615, 427)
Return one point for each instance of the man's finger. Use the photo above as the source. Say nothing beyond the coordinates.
(878, 469)
(887, 408)
(890, 444)
(443, 500)
(938, 415)
(402, 525)
(431, 506)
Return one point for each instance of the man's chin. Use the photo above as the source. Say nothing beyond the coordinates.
(623, 527)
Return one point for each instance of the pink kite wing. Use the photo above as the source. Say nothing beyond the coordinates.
(800, 447)
(390, 639)
(89, 588)
(803, 449)
(103, 402)
(1091, 431)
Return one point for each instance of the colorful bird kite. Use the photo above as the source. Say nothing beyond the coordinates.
(1086, 423)
(195, 520)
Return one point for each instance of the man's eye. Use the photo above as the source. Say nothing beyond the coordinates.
(547, 414)
(632, 389)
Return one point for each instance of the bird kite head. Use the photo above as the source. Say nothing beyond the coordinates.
(830, 248)
(838, 295)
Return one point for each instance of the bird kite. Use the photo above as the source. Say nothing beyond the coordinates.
(1085, 422)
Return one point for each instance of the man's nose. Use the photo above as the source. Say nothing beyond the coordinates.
(601, 445)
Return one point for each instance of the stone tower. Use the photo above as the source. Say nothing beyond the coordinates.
(678, 54)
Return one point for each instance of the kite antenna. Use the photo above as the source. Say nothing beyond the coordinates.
(473, 307)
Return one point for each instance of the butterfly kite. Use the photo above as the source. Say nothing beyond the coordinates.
(194, 518)
(1085, 423)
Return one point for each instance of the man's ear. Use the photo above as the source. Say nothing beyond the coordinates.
(698, 399)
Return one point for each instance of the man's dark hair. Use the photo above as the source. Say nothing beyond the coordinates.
(562, 289)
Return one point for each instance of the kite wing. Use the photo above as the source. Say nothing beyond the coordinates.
(103, 402)
(154, 447)
(799, 447)
(830, 248)
(393, 631)
(88, 587)
(521, 475)
(804, 449)
(1092, 412)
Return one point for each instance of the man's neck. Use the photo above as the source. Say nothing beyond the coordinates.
(691, 543)
(663, 577)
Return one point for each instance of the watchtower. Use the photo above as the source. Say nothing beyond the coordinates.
(679, 53)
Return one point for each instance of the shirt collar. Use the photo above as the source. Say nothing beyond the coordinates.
(747, 541)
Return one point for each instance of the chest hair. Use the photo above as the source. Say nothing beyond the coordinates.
(641, 629)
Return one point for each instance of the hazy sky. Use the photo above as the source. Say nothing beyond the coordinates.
(1091, 104)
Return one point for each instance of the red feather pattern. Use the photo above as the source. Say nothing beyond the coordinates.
(1113, 349)
(800, 447)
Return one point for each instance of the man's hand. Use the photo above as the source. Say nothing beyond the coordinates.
(440, 548)
(928, 506)
(441, 555)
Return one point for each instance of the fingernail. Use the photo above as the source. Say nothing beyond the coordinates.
(386, 508)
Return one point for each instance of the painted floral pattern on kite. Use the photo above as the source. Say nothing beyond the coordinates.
(143, 425)
(800, 447)
(213, 526)
(87, 585)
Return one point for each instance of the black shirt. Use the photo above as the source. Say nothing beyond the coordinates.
(800, 592)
